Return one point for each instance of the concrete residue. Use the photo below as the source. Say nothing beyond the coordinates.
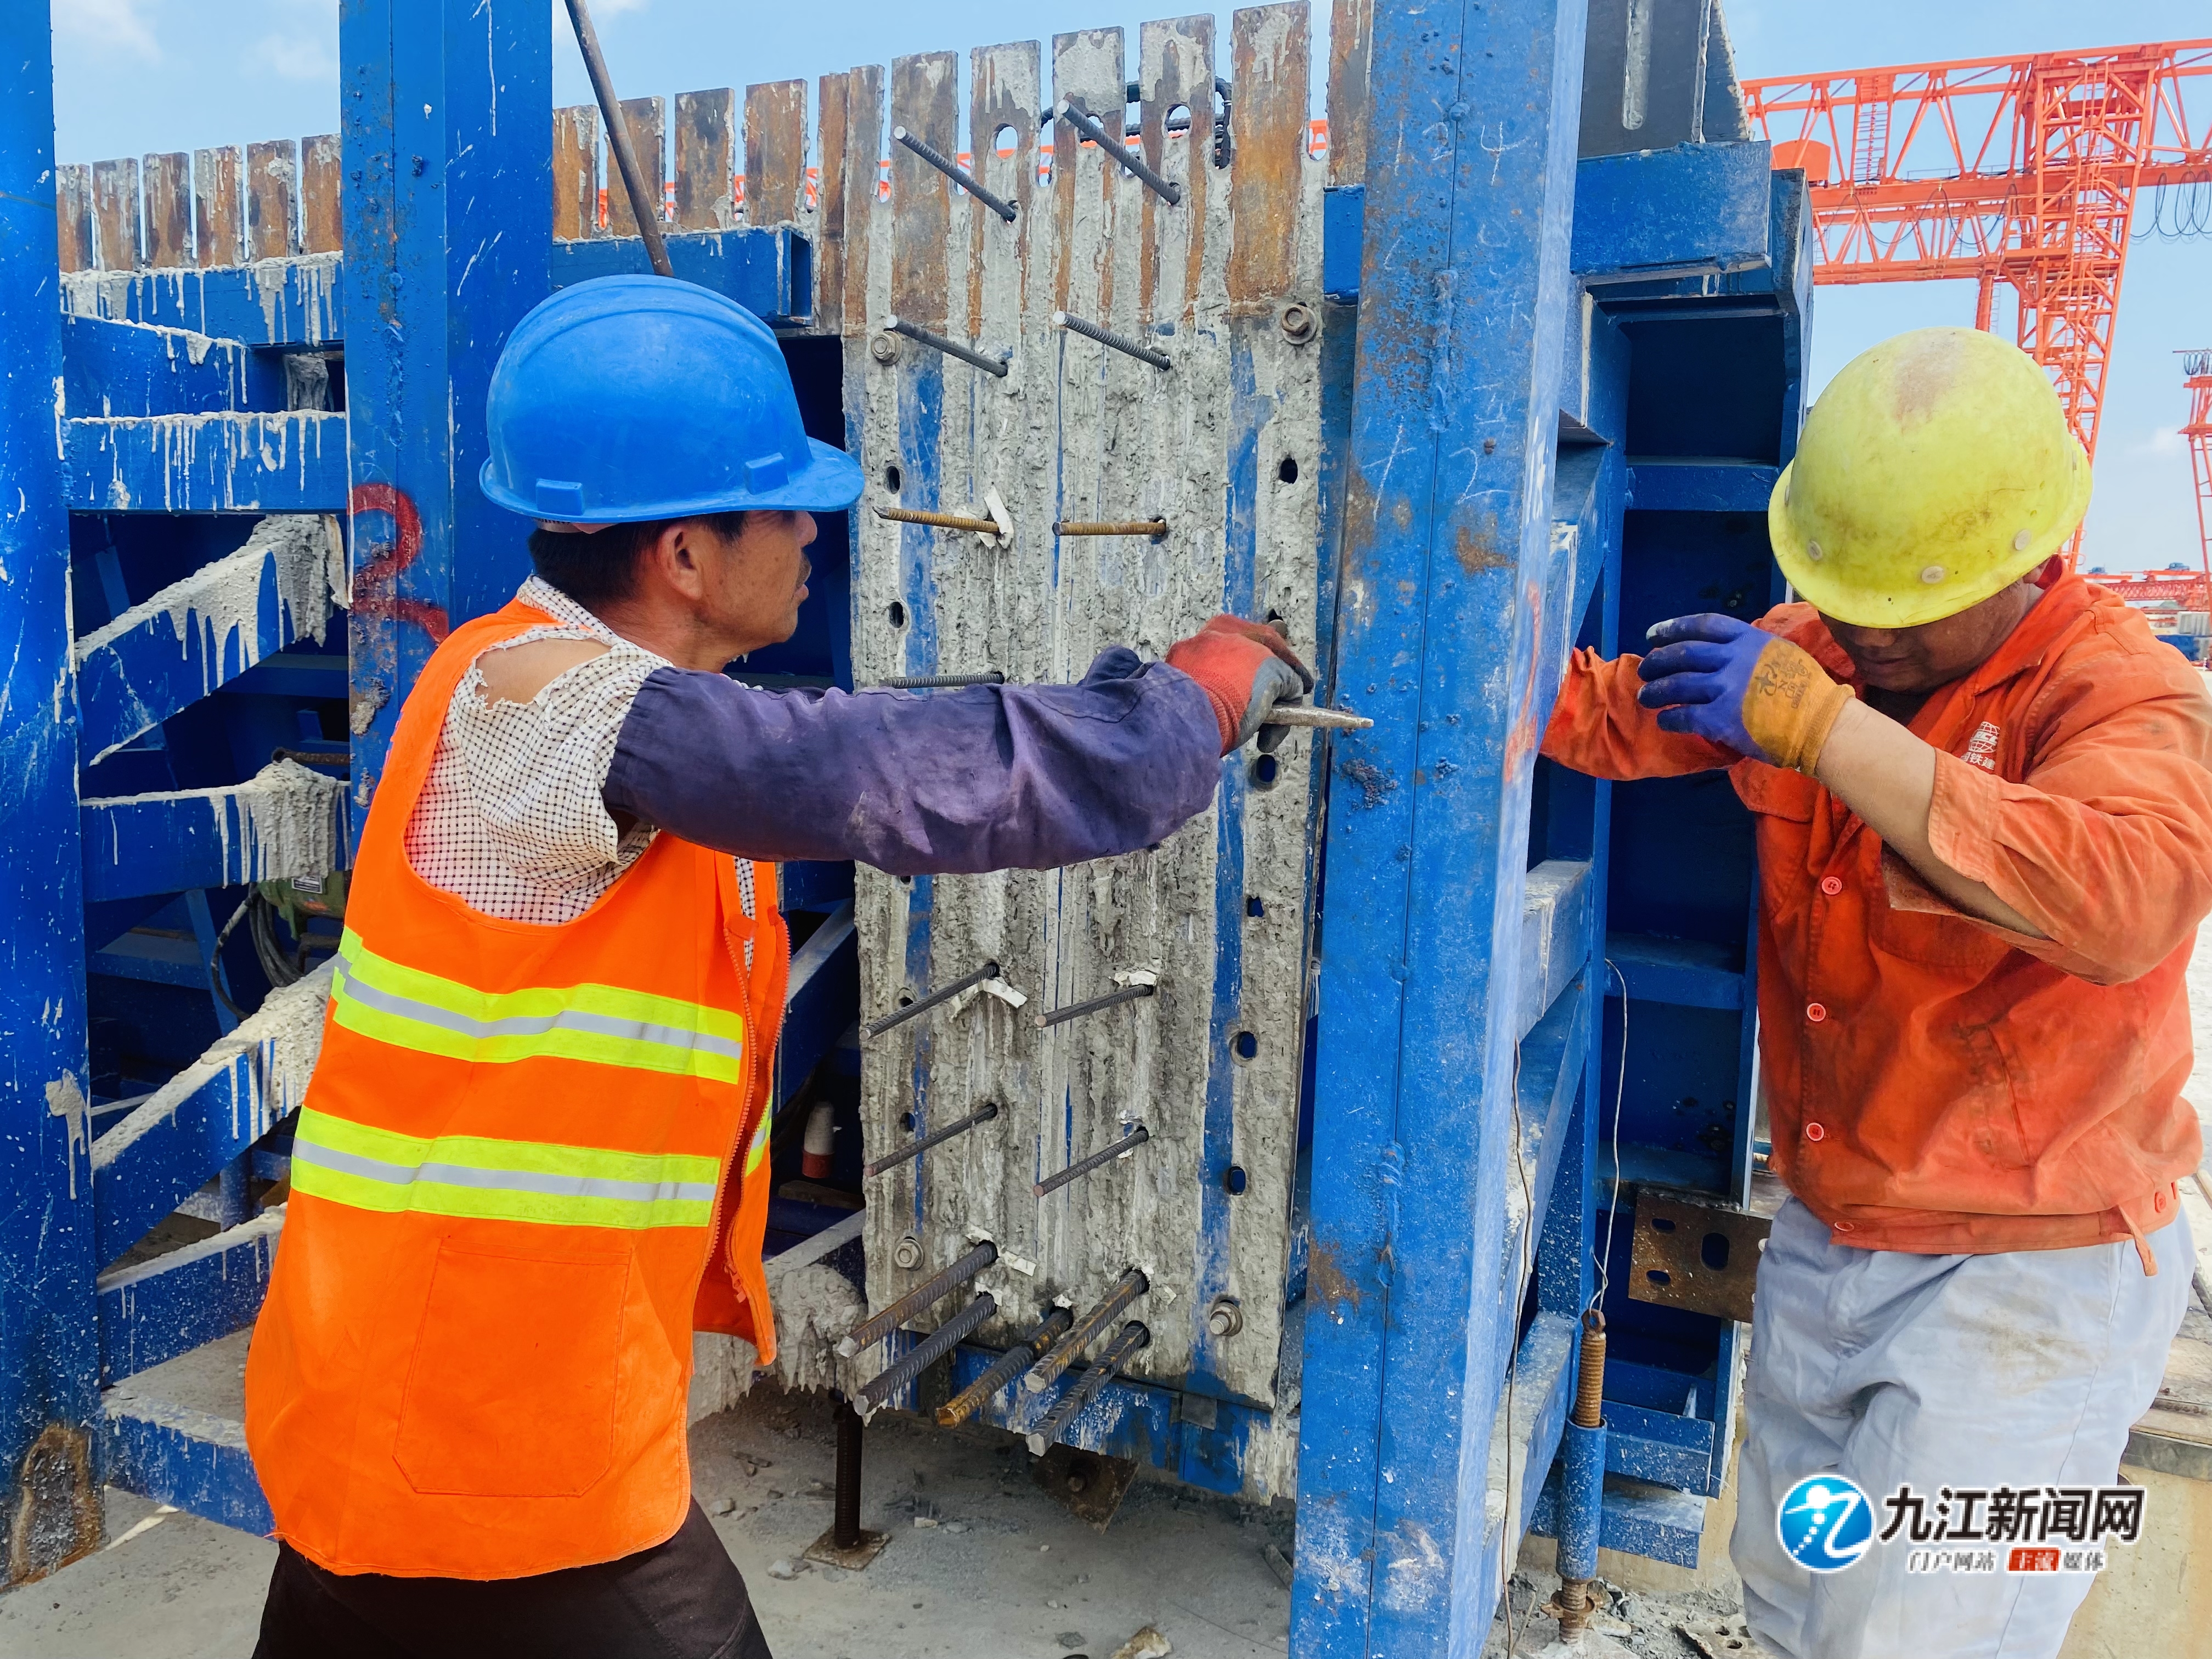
(66, 1101)
(278, 1044)
(1075, 431)
(217, 607)
(284, 821)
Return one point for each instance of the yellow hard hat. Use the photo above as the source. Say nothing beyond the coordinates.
(1935, 470)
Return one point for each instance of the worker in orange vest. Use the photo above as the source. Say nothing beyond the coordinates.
(1984, 828)
(533, 1156)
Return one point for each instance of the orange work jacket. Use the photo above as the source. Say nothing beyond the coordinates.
(516, 1188)
(1936, 1082)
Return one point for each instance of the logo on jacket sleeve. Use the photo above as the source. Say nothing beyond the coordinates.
(1982, 747)
(1825, 1522)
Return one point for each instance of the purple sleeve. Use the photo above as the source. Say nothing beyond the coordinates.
(988, 777)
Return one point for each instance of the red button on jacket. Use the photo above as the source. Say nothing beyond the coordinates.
(1814, 1132)
(1816, 1011)
(1832, 886)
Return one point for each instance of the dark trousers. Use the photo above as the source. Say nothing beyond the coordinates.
(681, 1600)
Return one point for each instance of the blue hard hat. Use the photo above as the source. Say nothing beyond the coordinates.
(630, 399)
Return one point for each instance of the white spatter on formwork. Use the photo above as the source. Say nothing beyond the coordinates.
(297, 297)
(66, 1101)
(249, 449)
(1076, 431)
(284, 821)
(278, 1043)
(218, 605)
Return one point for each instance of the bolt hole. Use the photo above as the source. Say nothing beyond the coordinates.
(1265, 770)
(898, 614)
(1659, 1276)
(1005, 140)
(1714, 1251)
(1288, 471)
(892, 478)
(1234, 1179)
(1661, 1224)
(1254, 905)
(1246, 1046)
(906, 1121)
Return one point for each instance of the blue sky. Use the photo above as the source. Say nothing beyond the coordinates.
(134, 76)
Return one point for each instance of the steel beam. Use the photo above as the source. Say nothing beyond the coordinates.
(293, 302)
(209, 463)
(49, 1355)
(1448, 555)
(448, 140)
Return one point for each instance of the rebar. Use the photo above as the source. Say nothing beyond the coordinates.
(1111, 1000)
(1107, 336)
(845, 1527)
(928, 1351)
(1328, 720)
(1003, 1370)
(644, 202)
(921, 336)
(900, 1016)
(1087, 124)
(1085, 1331)
(939, 521)
(1133, 1338)
(921, 1144)
(1128, 1143)
(1155, 528)
(958, 174)
(933, 682)
(934, 1289)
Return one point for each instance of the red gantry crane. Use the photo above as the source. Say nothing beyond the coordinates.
(2023, 171)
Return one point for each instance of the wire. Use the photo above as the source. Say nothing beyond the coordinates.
(214, 961)
(2190, 220)
(1513, 1353)
(1620, 1094)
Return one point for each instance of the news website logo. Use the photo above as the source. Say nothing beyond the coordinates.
(1987, 1529)
(1825, 1523)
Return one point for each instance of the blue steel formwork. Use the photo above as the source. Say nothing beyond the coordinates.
(1555, 393)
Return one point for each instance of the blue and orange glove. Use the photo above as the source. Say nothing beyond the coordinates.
(1245, 669)
(1715, 677)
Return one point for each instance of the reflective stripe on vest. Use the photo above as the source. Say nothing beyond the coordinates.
(471, 1175)
(758, 1149)
(384, 1001)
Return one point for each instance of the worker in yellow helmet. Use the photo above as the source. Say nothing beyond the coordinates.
(1985, 827)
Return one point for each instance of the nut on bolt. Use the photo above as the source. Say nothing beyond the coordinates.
(906, 1253)
(884, 349)
(1225, 1317)
(1298, 322)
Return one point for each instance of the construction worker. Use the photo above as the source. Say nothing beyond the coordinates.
(1984, 830)
(533, 1159)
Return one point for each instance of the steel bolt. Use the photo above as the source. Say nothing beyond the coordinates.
(906, 1253)
(884, 349)
(1299, 324)
(1225, 1317)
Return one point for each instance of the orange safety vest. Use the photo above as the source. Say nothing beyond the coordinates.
(515, 1195)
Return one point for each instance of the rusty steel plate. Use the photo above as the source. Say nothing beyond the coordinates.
(1693, 1254)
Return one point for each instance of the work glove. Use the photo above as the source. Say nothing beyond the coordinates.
(1715, 677)
(1246, 668)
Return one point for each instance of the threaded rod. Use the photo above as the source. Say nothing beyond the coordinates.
(1003, 1370)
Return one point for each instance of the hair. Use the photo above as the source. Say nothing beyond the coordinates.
(602, 567)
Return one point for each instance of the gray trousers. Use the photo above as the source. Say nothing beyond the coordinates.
(2024, 1369)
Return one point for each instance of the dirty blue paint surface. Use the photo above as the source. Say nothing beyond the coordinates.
(769, 271)
(248, 463)
(288, 302)
(447, 114)
(136, 847)
(1447, 553)
(48, 1359)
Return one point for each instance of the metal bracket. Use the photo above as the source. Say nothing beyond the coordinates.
(1694, 1254)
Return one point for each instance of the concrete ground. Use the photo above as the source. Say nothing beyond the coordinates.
(981, 1564)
